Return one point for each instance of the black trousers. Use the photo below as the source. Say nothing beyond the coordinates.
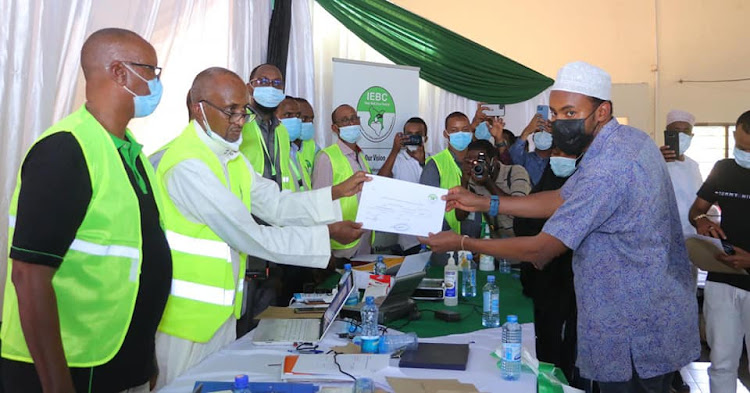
(658, 384)
(556, 339)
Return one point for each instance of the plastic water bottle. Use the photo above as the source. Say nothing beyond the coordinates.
(486, 262)
(380, 267)
(241, 384)
(370, 333)
(450, 280)
(353, 298)
(364, 385)
(504, 266)
(469, 273)
(511, 341)
(491, 303)
(390, 343)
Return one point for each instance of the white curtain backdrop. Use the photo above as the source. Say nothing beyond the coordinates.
(40, 44)
(331, 39)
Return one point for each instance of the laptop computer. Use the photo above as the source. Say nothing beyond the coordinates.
(397, 302)
(290, 331)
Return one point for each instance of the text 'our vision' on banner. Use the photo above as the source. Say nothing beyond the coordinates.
(385, 97)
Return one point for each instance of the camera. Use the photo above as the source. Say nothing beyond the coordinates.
(414, 140)
(479, 166)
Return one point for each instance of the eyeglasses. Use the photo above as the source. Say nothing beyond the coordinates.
(156, 70)
(233, 117)
(347, 121)
(277, 83)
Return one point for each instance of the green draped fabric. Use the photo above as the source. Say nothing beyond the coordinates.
(445, 58)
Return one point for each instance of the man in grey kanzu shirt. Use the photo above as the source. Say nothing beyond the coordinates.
(637, 311)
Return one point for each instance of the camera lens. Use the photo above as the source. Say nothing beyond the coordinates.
(478, 169)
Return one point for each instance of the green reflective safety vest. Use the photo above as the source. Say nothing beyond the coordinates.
(205, 287)
(307, 154)
(450, 176)
(97, 283)
(298, 167)
(342, 171)
(255, 150)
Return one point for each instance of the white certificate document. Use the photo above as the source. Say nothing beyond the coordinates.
(397, 206)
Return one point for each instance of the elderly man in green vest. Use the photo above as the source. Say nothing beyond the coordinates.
(213, 195)
(444, 170)
(90, 268)
(335, 164)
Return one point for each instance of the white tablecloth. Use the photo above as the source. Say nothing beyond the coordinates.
(261, 363)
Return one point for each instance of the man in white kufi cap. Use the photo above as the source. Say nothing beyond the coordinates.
(635, 292)
(683, 170)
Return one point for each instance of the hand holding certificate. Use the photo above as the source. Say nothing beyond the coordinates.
(397, 206)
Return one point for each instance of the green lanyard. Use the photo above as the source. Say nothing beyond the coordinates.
(300, 180)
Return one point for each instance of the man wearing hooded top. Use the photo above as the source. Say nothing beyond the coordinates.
(551, 288)
(637, 314)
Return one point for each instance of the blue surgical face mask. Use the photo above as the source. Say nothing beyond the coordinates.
(293, 127)
(562, 166)
(482, 132)
(684, 142)
(268, 96)
(307, 131)
(350, 133)
(742, 158)
(542, 140)
(460, 140)
(145, 105)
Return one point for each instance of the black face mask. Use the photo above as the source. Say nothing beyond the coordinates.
(570, 135)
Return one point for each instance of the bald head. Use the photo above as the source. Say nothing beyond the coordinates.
(219, 97)
(268, 70)
(343, 110)
(213, 80)
(109, 45)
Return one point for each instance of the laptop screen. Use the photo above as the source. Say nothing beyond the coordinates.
(338, 301)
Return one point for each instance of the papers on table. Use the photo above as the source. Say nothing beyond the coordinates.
(702, 251)
(323, 368)
(397, 206)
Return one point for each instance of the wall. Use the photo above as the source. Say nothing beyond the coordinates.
(697, 39)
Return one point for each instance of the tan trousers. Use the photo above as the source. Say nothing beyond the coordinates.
(175, 355)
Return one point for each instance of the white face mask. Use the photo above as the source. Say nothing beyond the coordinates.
(684, 142)
(233, 146)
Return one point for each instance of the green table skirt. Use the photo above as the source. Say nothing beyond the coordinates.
(512, 302)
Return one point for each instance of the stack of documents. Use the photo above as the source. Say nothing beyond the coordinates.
(323, 368)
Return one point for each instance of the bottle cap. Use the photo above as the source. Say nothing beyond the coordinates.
(369, 300)
(347, 266)
(380, 258)
(469, 256)
(512, 318)
(490, 278)
(241, 381)
(451, 261)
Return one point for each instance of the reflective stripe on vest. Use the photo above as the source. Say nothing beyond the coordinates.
(342, 170)
(97, 282)
(450, 176)
(206, 288)
(255, 150)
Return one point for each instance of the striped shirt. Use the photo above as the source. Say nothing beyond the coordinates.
(512, 180)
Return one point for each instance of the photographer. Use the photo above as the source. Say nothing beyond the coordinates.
(484, 174)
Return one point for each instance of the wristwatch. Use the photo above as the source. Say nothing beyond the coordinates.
(494, 205)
